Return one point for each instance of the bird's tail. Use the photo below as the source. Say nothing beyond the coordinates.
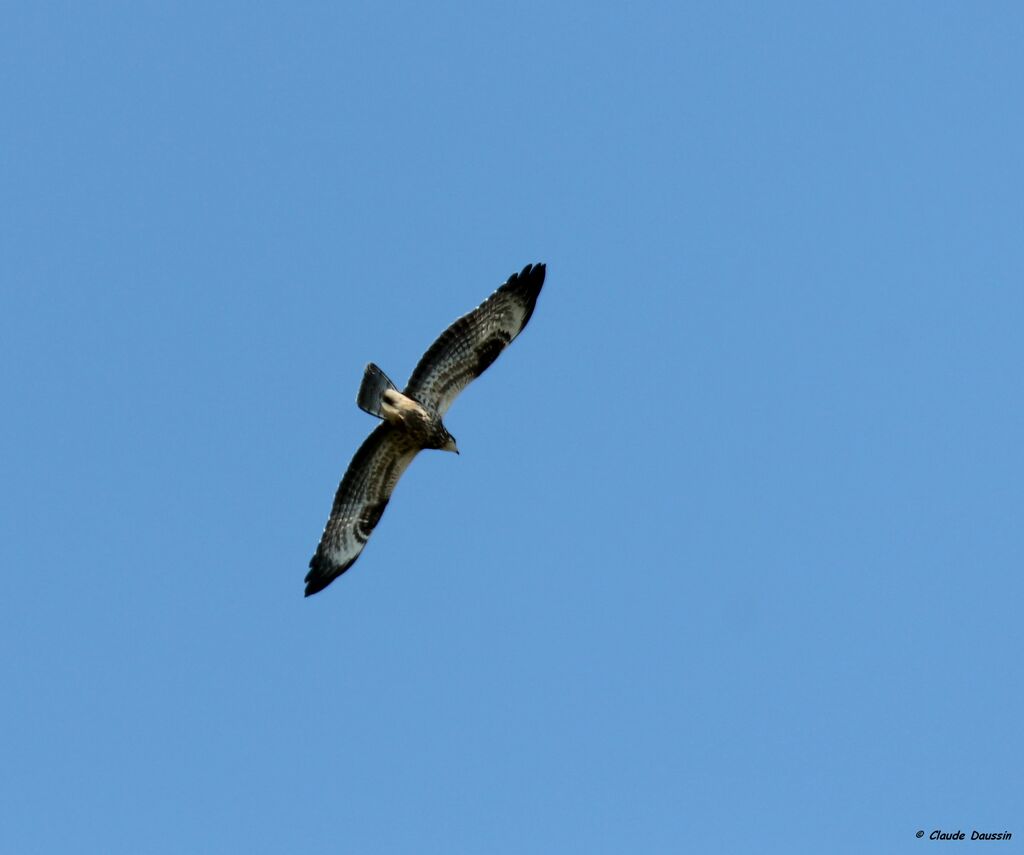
(375, 383)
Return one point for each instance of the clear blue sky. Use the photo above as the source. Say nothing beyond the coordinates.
(731, 558)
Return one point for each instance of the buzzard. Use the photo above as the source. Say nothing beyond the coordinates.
(412, 418)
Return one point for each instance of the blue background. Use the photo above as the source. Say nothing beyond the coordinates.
(731, 559)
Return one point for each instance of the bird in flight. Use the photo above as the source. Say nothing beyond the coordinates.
(411, 420)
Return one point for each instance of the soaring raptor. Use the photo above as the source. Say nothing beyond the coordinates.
(411, 419)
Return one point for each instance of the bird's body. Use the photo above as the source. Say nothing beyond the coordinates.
(402, 411)
(412, 419)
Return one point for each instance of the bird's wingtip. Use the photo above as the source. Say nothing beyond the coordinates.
(315, 586)
(316, 579)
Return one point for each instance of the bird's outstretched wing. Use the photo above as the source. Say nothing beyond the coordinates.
(473, 342)
(363, 494)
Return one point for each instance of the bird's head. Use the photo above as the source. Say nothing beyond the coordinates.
(448, 442)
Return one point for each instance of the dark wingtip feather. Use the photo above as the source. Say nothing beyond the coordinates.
(527, 284)
(532, 272)
(315, 586)
(316, 579)
(321, 574)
